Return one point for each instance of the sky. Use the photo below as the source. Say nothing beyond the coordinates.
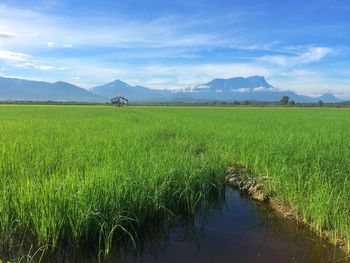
(302, 46)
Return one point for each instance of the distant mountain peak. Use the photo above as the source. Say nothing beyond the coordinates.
(63, 83)
(258, 80)
(328, 97)
(256, 77)
(30, 90)
(119, 87)
(118, 82)
(254, 88)
(239, 83)
(60, 82)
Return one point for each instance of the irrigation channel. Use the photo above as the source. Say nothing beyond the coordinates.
(233, 229)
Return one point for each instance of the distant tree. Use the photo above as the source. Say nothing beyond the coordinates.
(284, 100)
(320, 103)
(236, 102)
(291, 102)
(246, 102)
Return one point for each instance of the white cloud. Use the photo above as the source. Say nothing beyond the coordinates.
(312, 87)
(259, 89)
(67, 45)
(314, 54)
(228, 70)
(95, 72)
(82, 30)
(241, 90)
(27, 31)
(311, 54)
(7, 34)
(51, 44)
(278, 60)
(222, 70)
(14, 56)
(271, 46)
(54, 44)
(44, 67)
(38, 66)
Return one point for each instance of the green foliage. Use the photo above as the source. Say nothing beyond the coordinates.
(284, 100)
(72, 174)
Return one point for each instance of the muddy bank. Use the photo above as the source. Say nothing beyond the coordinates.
(242, 179)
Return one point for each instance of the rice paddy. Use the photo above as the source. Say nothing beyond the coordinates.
(74, 175)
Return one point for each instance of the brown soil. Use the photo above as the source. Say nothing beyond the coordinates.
(239, 177)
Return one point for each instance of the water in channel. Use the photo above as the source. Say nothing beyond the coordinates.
(236, 230)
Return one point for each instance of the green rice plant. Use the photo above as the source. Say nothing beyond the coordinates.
(76, 175)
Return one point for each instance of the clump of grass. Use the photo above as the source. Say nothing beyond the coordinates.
(73, 175)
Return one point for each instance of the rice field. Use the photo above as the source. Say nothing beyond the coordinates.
(76, 174)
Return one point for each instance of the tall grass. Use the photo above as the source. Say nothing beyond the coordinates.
(73, 174)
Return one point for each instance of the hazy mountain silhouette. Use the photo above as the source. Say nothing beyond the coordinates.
(29, 90)
(254, 88)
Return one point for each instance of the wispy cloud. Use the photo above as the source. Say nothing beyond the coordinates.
(14, 56)
(26, 61)
(163, 31)
(67, 45)
(314, 54)
(311, 54)
(168, 48)
(308, 86)
(38, 66)
(51, 44)
(7, 34)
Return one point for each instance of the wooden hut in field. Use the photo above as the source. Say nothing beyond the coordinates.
(119, 100)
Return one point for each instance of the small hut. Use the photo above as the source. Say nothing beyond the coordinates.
(119, 100)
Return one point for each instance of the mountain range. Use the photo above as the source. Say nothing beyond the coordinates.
(28, 90)
(254, 88)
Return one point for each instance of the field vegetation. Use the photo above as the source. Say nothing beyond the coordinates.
(72, 174)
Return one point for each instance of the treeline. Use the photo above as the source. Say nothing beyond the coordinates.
(284, 102)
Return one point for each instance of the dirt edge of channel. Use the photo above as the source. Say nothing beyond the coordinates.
(241, 178)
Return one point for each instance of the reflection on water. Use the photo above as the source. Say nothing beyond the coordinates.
(243, 231)
(227, 228)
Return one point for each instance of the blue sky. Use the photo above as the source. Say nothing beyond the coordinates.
(298, 45)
